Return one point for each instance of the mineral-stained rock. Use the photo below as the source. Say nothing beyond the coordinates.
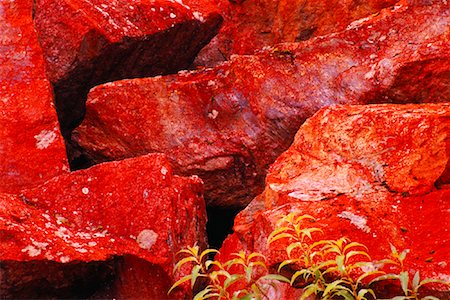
(31, 146)
(252, 25)
(367, 173)
(228, 124)
(86, 43)
(133, 207)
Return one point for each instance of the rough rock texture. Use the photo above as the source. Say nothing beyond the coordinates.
(367, 173)
(229, 123)
(132, 207)
(86, 43)
(31, 146)
(252, 25)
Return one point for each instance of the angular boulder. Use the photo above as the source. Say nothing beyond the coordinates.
(31, 147)
(252, 25)
(229, 123)
(366, 173)
(86, 43)
(134, 208)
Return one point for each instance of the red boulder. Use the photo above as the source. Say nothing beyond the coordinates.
(86, 43)
(366, 173)
(252, 25)
(31, 147)
(228, 124)
(133, 207)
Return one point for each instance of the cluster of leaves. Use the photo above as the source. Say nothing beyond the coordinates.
(250, 269)
(328, 269)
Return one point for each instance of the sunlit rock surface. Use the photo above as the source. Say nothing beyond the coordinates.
(135, 207)
(229, 123)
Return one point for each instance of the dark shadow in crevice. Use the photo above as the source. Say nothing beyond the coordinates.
(220, 225)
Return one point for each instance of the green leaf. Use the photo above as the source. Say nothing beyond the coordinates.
(209, 263)
(333, 286)
(184, 261)
(308, 291)
(431, 280)
(281, 236)
(276, 277)
(371, 273)
(363, 292)
(399, 298)
(255, 254)
(353, 253)
(206, 252)
(286, 262)
(354, 245)
(248, 273)
(232, 279)
(195, 274)
(416, 281)
(277, 232)
(201, 295)
(430, 298)
(302, 272)
(394, 250)
(344, 293)
(340, 264)
(385, 277)
(293, 246)
(404, 280)
(304, 217)
(179, 282)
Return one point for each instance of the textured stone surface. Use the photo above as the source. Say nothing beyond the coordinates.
(367, 173)
(253, 25)
(86, 43)
(31, 146)
(132, 207)
(229, 123)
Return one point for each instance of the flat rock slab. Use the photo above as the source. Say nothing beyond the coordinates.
(252, 25)
(366, 173)
(86, 43)
(31, 147)
(229, 123)
(133, 207)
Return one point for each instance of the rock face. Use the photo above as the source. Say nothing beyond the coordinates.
(86, 43)
(252, 25)
(375, 186)
(228, 124)
(134, 208)
(31, 146)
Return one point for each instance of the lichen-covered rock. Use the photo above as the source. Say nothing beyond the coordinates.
(366, 173)
(252, 25)
(229, 123)
(133, 207)
(31, 147)
(86, 43)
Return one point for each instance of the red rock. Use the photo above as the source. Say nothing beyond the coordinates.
(252, 25)
(31, 146)
(367, 173)
(228, 124)
(134, 207)
(86, 43)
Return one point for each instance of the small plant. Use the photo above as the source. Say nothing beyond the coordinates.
(247, 269)
(328, 269)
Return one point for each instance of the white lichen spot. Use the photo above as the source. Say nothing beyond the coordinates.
(198, 16)
(32, 251)
(172, 15)
(92, 244)
(164, 171)
(213, 114)
(358, 221)
(81, 250)
(64, 259)
(85, 190)
(146, 238)
(45, 138)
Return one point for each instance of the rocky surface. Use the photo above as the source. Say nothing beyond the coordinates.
(252, 25)
(31, 147)
(135, 207)
(366, 173)
(86, 43)
(229, 123)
